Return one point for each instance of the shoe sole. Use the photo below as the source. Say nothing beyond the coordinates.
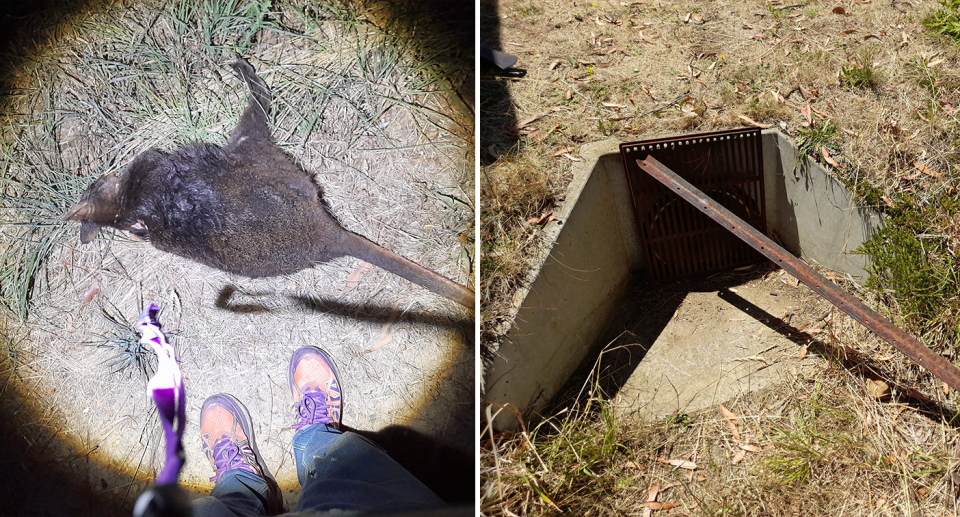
(294, 392)
(237, 408)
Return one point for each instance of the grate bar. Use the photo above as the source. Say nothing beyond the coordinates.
(909, 345)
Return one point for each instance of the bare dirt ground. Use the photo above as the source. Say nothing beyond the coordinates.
(859, 429)
(375, 113)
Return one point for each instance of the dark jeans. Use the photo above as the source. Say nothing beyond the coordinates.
(337, 471)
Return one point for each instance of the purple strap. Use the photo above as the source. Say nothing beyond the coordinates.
(166, 389)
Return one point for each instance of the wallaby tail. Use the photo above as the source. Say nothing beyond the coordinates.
(364, 249)
(253, 122)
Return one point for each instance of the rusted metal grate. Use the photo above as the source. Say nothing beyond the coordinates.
(678, 240)
(906, 343)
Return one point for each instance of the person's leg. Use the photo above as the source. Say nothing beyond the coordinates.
(340, 470)
(244, 486)
(349, 472)
(238, 493)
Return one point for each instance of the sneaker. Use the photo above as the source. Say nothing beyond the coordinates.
(229, 444)
(315, 386)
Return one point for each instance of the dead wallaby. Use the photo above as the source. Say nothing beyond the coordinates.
(246, 209)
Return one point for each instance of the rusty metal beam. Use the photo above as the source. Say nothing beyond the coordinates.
(846, 302)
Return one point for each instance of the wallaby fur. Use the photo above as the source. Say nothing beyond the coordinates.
(246, 209)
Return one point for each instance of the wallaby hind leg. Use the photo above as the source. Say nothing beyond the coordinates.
(253, 122)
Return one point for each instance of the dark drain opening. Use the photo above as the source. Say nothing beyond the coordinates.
(677, 240)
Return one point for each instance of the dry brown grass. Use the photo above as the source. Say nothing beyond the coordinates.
(821, 445)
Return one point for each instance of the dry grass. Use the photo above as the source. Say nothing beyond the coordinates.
(632, 71)
(822, 445)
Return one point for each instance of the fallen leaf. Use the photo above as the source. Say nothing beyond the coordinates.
(568, 95)
(354, 279)
(546, 216)
(571, 158)
(732, 421)
(729, 415)
(887, 201)
(530, 120)
(701, 479)
(754, 123)
(647, 39)
(563, 151)
(803, 352)
(554, 64)
(652, 497)
(914, 394)
(926, 170)
(737, 458)
(749, 448)
(633, 465)
(660, 506)
(935, 62)
(877, 388)
(839, 10)
(851, 31)
(827, 158)
(757, 36)
(806, 114)
(683, 464)
(91, 292)
(385, 335)
(613, 105)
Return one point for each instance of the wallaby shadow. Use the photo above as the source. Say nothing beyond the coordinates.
(367, 312)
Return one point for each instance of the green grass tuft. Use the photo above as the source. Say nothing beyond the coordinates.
(811, 139)
(945, 21)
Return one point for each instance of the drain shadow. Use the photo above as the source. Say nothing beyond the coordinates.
(630, 335)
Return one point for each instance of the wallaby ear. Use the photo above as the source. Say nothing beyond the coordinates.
(79, 212)
(99, 202)
(88, 231)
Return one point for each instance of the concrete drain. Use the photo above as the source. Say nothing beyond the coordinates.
(595, 248)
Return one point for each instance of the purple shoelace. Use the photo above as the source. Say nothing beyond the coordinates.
(230, 455)
(313, 409)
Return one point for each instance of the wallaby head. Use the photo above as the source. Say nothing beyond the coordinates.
(98, 207)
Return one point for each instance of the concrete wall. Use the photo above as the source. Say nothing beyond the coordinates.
(591, 250)
(811, 213)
